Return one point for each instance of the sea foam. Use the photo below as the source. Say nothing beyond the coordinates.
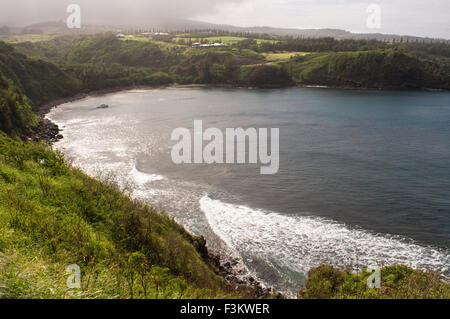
(299, 243)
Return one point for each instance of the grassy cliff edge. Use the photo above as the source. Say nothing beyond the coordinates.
(53, 215)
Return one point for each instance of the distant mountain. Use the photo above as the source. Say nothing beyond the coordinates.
(307, 33)
(190, 25)
(55, 27)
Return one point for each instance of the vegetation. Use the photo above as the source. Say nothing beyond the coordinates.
(103, 61)
(397, 282)
(53, 215)
(16, 116)
(19, 38)
(282, 56)
(25, 83)
(373, 69)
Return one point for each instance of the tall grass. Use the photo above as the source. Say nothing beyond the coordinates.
(53, 215)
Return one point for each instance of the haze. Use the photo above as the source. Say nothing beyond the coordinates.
(408, 17)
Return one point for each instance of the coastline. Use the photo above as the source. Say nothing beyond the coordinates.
(49, 132)
(224, 268)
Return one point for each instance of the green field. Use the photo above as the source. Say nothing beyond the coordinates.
(282, 56)
(19, 38)
(135, 38)
(229, 40)
(161, 44)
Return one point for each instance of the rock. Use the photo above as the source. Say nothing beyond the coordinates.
(200, 246)
(301, 292)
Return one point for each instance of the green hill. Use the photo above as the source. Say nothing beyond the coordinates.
(25, 83)
(53, 215)
(370, 69)
(104, 61)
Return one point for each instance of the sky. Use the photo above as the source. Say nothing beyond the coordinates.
(407, 17)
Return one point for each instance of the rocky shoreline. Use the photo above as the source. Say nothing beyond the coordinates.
(233, 277)
(48, 132)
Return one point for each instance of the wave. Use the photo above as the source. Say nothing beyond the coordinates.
(141, 178)
(296, 243)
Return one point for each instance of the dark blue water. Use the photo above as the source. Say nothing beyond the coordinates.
(364, 175)
(379, 160)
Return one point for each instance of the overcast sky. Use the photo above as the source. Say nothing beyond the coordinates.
(412, 17)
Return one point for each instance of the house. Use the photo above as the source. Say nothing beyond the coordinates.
(207, 45)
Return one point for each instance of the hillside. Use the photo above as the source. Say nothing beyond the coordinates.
(105, 61)
(175, 25)
(53, 215)
(397, 282)
(41, 81)
(371, 69)
(26, 83)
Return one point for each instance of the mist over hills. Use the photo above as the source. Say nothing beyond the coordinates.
(184, 25)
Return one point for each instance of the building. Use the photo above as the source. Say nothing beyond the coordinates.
(208, 45)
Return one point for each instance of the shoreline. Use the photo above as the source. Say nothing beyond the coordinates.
(222, 267)
(44, 108)
(50, 133)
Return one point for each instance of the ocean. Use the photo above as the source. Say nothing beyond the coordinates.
(364, 176)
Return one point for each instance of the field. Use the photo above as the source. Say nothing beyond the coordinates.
(229, 40)
(26, 38)
(281, 56)
(161, 44)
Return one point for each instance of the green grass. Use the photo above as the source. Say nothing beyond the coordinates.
(53, 215)
(369, 69)
(135, 38)
(282, 56)
(397, 282)
(163, 45)
(26, 38)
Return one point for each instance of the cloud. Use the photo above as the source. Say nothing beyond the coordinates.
(415, 17)
(111, 12)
